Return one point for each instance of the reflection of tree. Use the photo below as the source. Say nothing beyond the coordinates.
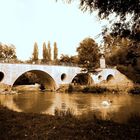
(7, 101)
(79, 103)
(33, 102)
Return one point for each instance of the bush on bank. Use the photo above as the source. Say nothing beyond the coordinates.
(95, 89)
(135, 90)
(92, 89)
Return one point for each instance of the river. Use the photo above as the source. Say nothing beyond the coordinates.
(121, 108)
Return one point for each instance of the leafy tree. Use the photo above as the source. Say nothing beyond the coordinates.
(122, 9)
(55, 51)
(45, 53)
(126, 24)
(74, 59)
(35, 53)
(112, 44)
(120, 50)
(68, 60)
(88, 53)
(49, 51)
(7, 52)
(64, 59)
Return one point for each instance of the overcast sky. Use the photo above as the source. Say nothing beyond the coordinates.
(24, 22)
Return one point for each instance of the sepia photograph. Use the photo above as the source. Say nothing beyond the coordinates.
(70, 70)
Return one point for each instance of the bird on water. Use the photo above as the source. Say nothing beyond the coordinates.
(106, 102)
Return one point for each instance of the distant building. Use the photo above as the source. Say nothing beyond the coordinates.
(102, 62)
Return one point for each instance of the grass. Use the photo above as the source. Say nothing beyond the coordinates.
(64, 113)
(63, 126)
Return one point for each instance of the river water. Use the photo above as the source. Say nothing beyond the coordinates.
(121, 108)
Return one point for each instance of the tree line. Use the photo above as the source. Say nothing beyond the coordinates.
(46, 53)
(88, 55)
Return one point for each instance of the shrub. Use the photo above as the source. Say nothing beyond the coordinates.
(64, 113)
(95, 89)
(135, 90)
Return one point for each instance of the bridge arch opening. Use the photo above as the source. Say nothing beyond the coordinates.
(63, 76)
(1, 76)
(82, 79)
(109, 77)
(43, 79)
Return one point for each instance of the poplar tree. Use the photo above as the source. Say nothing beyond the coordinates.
(49, 51)
(35, 52)
(55, 51)
(45, 53)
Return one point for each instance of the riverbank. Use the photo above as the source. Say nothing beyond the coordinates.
(27, 126)
(97, 89)
(100, 88)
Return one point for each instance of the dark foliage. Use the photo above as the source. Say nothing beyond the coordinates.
(63, 126)
(135, 90)
(106, 7)
(122, 9)
(88, 53)
(95, 89)
(82, 79)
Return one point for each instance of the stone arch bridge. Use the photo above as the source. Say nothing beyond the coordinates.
(52, 76)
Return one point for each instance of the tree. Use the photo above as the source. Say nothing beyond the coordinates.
(112, 44)
(45, 53)
(68, 60)
(64, 59)
(74, 59)
(88, 53)
(122, 9)
(55, 51)
(35, 53)
(7, 52)
(126, 56)
(126, 24)
(49, 51)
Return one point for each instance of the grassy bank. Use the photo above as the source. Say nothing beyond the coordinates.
(97, 89)
(14, 125)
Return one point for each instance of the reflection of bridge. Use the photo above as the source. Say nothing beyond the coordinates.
(52, 76)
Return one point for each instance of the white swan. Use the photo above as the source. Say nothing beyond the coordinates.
(106, 103)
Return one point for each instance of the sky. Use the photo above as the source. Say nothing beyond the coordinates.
(24, 22)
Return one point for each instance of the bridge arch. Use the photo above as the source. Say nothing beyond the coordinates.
(109, 77)
(1, 76)
(36, 76)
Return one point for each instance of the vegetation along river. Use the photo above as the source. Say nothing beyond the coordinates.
(120, 109)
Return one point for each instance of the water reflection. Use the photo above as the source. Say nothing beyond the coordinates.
(121, 108)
